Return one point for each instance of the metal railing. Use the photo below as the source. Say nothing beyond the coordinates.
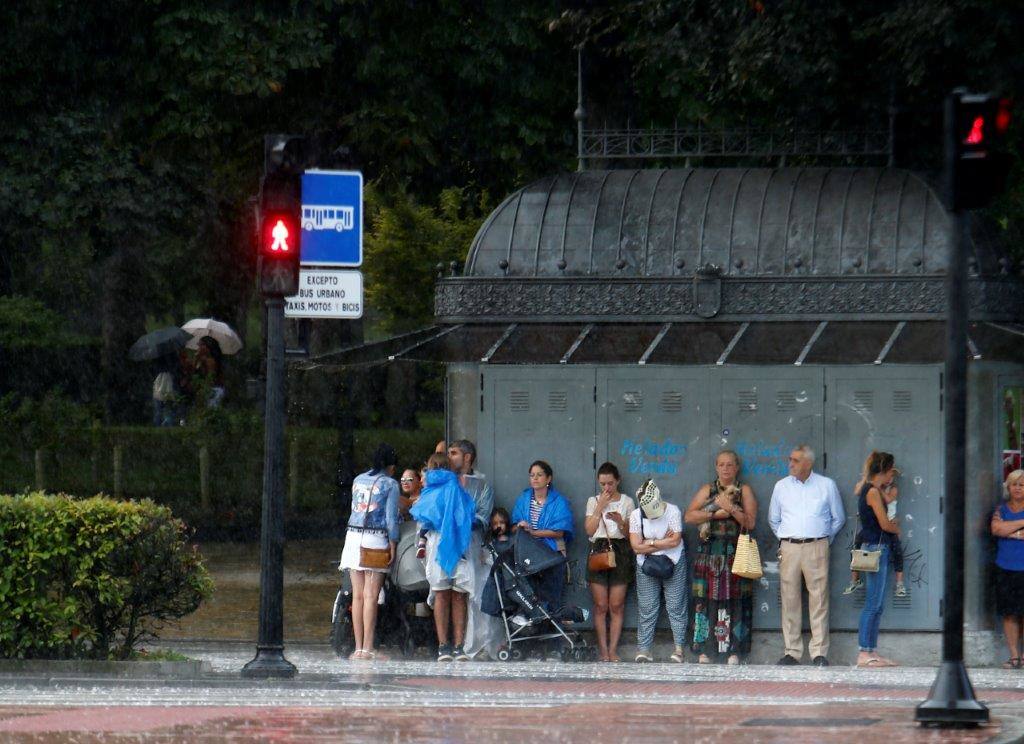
(700, 143)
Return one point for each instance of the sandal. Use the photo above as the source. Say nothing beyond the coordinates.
(703, 659)
(375, 656)
(356, 655)
(875, 662)
(1014, 662)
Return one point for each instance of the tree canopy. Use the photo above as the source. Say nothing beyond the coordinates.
(131, 135)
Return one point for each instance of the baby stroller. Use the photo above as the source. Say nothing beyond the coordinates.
(404, 587)
(510, 597)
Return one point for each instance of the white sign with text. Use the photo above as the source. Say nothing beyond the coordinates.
(327, 293)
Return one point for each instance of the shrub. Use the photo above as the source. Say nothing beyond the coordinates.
(91, 578)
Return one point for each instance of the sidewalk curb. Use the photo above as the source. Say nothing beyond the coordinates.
(191, 669)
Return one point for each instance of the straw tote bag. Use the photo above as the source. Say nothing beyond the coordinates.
(747, 561)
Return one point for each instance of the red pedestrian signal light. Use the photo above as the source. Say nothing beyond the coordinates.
(977, 134)
(977, 162)
(279, 254)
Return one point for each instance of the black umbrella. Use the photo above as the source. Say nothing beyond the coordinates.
(154, 345)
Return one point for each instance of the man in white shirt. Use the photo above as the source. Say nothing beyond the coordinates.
(806, 513)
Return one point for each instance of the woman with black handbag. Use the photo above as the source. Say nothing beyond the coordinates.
(656, 535)
(610, 563)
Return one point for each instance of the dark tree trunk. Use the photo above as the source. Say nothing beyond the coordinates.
(125, 384)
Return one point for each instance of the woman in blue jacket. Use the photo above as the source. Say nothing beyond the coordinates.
(545, 514)
(373, 524)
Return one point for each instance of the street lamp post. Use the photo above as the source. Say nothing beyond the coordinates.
(270, 660)
(970, 168)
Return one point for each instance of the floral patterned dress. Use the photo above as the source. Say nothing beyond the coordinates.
(722, 603)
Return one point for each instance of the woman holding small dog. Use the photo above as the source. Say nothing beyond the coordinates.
(723, 603)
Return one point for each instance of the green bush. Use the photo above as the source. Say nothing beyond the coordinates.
(91, 578)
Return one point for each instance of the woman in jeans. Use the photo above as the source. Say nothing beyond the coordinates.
(656, 528)
(373, 524)
(875, 527)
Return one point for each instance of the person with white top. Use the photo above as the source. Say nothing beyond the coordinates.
(656, 535)
(607, 516)
(806, 513)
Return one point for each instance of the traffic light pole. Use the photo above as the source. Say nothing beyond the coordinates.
(951, 701)
(270, 660)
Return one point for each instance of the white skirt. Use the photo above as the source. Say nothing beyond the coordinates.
(354, 539)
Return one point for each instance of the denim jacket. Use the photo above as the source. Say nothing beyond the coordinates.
(375, 503)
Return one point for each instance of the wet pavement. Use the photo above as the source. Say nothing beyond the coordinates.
(332, 699)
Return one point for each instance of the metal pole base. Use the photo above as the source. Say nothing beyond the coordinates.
(270, 663)
(951, 702)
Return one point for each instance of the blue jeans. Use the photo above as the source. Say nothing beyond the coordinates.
(871, 615)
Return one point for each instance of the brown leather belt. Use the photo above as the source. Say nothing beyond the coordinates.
(801, 540)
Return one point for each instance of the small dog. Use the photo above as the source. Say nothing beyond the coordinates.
(733, 492)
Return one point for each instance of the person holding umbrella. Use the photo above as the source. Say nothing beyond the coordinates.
(163, 347)
(211, 339)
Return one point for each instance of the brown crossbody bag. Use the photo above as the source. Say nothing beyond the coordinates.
(602, 558)
(373, 557)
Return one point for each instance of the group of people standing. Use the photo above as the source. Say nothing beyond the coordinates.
(182, 376)
(710, 612)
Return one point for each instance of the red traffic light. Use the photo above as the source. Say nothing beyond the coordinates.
(1003, 116)
(279, 236)
(977, 134)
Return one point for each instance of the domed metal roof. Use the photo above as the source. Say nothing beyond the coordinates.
(747, 222)
(733, 244)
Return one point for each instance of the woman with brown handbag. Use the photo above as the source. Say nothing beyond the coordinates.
(370, 545)
(610, 565)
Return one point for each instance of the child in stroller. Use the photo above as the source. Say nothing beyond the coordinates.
(404, 592)
(511, 597)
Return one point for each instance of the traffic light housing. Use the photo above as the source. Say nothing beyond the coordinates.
(279, 247)
(279, 253)
(976, 159)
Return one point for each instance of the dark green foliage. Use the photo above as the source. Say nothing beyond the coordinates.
(91, 578)
(404, 247)
(163, 464)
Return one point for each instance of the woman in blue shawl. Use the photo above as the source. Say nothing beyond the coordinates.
(545, 514)
(445, 514)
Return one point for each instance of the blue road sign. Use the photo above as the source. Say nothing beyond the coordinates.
(332, 218)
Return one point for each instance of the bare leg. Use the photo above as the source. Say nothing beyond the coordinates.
(1012, 630)
(371, 590)
(599, 592)
(442, 612)
(357, 611)
(617, 606)
(459, 615)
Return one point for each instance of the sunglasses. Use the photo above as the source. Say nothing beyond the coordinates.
(408, 480)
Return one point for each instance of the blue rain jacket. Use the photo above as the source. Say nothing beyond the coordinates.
(446, 508)
(556, 515)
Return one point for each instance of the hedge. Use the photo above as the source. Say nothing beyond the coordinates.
(91, 578)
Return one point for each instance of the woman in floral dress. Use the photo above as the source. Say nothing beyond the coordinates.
(722, 603)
